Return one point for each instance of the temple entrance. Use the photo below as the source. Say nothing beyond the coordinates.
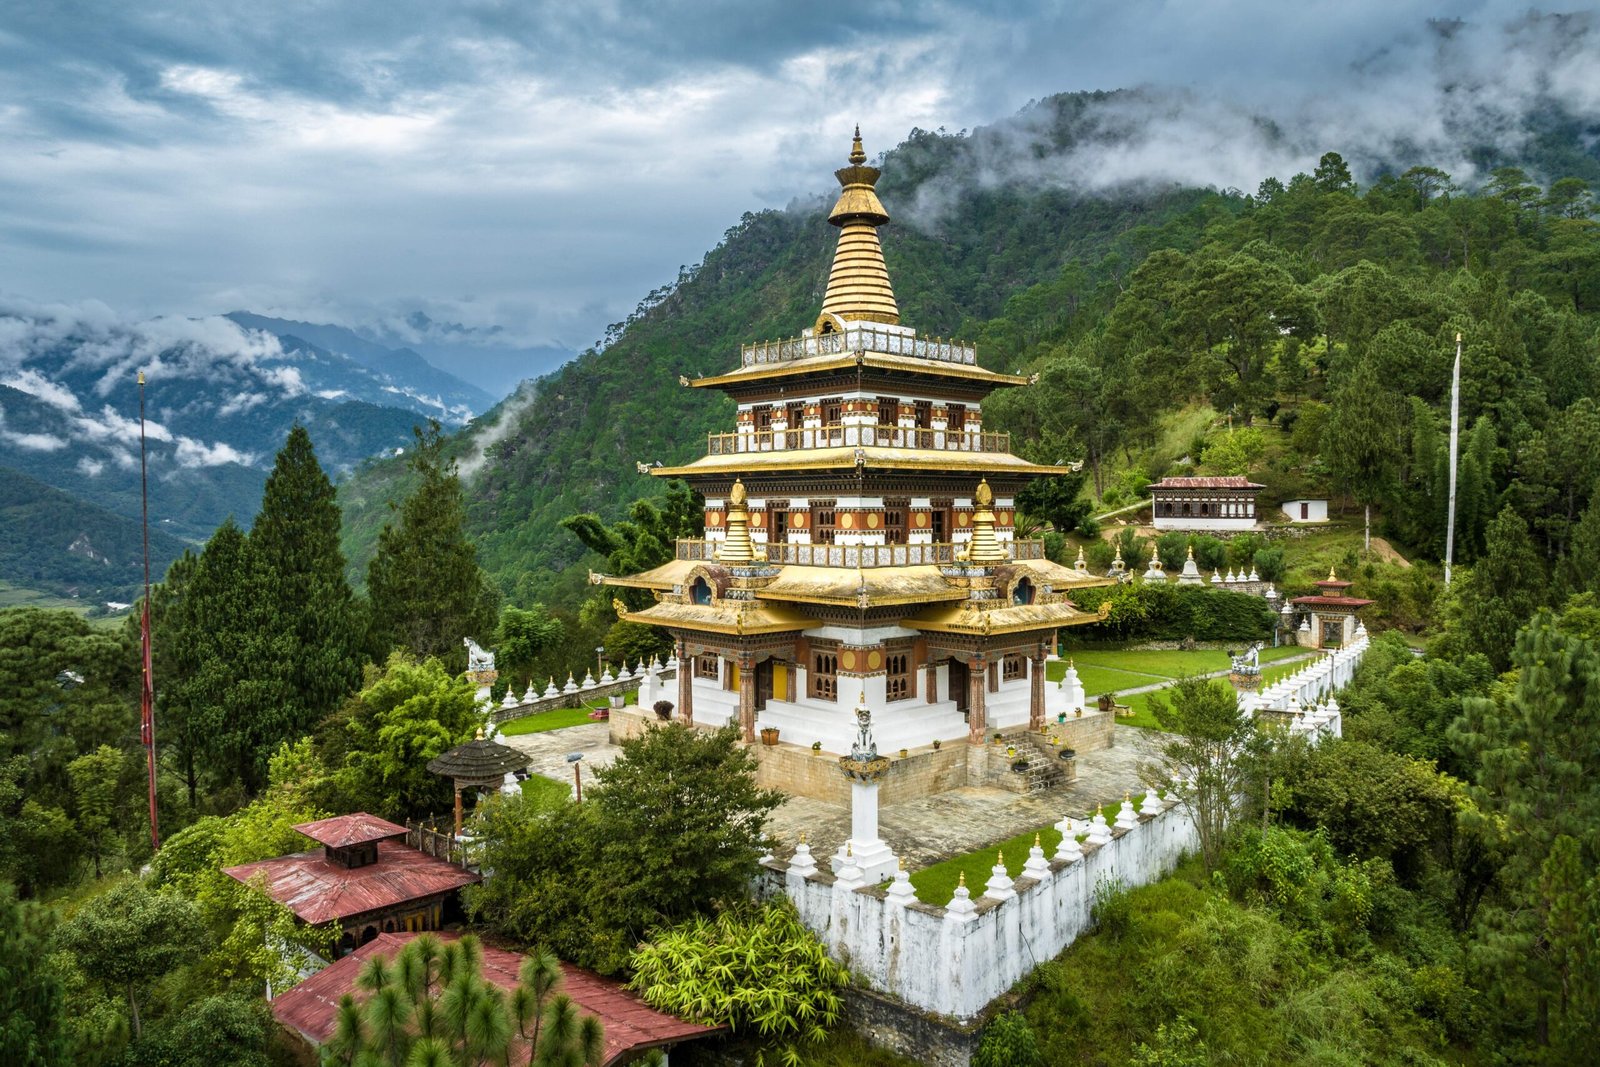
(764, 671)
(960, 684)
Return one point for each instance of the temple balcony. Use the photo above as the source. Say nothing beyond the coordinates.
(860, 337)
(838, 436)
(924, 554)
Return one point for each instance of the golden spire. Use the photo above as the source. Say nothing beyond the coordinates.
(983, 547)
(858, 284)
(736, 545)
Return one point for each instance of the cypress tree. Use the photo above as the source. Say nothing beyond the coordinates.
(426, 588)
(296, 544)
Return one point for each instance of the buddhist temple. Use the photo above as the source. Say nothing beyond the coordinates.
(860, 532)
(1330, 613)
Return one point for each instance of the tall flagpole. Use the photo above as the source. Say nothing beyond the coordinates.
(1455, 436)
(147, 688)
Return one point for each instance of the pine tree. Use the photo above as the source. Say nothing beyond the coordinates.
(296, 543)
(1506, 586)
(1580, 567)
(1362, 438)
(233, 691)
(424, 582)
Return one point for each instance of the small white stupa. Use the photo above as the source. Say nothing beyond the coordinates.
(1190, 574)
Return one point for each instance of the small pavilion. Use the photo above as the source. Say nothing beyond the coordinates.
(478, 764)
(1331, 613)
(365, 877)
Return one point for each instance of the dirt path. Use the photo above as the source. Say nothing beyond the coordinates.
(1387, 553)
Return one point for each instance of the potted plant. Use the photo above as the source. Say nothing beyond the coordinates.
(1011, 750)
(769, 735)
(816, 748)
(936, 744)
(1061, 716)
(1077, 713)
(998, 737)
(903, 753)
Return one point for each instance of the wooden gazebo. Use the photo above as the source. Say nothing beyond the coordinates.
(478, 764)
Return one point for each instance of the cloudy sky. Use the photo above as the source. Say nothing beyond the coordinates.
(540, 166)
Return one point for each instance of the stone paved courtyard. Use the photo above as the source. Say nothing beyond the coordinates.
(923, 831)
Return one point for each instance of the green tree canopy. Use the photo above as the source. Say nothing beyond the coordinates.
(426, 588)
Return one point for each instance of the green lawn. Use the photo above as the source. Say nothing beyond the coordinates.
(937, 884)
(559, 719)
(538, 788)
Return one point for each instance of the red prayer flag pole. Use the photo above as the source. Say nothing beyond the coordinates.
(147, 689)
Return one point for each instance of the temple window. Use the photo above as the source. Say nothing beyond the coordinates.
(1022, 592)
(763, 417)
(957, 419)
(700, 591)
(894, 521)
(888, 411)
(899, 675)
(822, 680)
(1013, 667)
(707, 665)
(822, 522)
(924, 414)
(832, 411)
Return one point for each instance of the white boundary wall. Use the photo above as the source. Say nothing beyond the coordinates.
(954, 960)
(953, 963)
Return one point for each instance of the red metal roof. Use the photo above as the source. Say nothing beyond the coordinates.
(344, 830)
(317, 890)
(1332, 601)
(1231, 481)
(631, 1025)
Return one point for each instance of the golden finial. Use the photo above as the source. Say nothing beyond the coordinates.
(984, 497)
(1036, 842)
(802, 837)
(738, 494)
(141, 377)
(858, 284)
(479, 735)
(849, 850)
(1126, 796)
(858, 155)
(1332, 577)
(902, 862)
(983, 547)
(961, 882)
(1191, 552)
(1000, 857)
(1070, 827)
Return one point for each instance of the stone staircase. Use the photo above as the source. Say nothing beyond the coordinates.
(1043, 771)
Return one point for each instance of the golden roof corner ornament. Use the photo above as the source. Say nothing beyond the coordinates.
(619, 607)
(683, 379)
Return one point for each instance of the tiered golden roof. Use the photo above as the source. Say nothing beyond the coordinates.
(858, 284)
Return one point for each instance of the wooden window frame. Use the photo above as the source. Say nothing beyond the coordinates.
(1013, 667)
(708, 665)
(824, 520)
(822, 674)
(900, 675)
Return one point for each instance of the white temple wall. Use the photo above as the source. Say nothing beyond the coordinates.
(1190, 522)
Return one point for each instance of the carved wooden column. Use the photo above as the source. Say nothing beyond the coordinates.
(747, 696)
(685, 683)
(977, 721)
(930, 683)
(1036, 689)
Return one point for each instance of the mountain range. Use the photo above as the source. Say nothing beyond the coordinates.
(221, 394)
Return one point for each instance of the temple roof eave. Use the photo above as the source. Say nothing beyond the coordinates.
(669, 575)
(845, 361)
(1059, 577)
(917, 459)
(848, 587)
(962, 619)
(760, 619)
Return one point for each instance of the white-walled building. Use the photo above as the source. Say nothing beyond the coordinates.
(1204, 503)
(1307, 510)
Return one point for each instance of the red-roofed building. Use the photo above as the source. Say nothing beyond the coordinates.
(1329, 615)
(1217, 503)
(632, 1027)
(365, 878)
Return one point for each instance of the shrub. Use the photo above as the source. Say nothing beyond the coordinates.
(758, 971)
(1172, 547)
(1008, 1042)
(1269, 564)
(1210, 554)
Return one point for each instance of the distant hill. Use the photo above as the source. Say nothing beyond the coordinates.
(220, 399)
(402, 368)
(52, 541)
